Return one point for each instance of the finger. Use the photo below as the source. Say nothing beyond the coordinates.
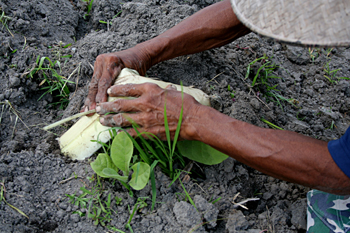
(90, 102)
(146, 133)
(119, 105)
(171, 87)
(105, 82)
(132, 90)
(119, 120)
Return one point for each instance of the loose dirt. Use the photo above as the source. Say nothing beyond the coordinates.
(37, 177)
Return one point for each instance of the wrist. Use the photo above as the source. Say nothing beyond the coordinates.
(201, 123)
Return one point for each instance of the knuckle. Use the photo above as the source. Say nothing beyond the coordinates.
(105, 82)
(151, 86)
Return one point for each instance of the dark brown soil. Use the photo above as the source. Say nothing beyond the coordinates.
(32, 168)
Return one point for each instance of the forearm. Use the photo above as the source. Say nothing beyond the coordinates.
(211, 27)
(282, 154)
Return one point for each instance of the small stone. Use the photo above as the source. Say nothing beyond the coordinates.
(186, 214)
(63, 205)
(208, 209)
(237, 222)
(229, 164)
(14, 81)
(75, 218)
(299, 214)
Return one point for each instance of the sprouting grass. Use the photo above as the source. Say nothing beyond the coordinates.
(99, 211)
(140, 203)
(270, 124)
(89, 7)
(4, 19)
(2, 198)
(262, 81)
(6, 105)
(331, 75)
(314, 53)
(51, 82)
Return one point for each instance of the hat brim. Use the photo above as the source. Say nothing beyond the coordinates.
(306, 22)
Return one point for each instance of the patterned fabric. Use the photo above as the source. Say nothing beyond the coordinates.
(327, 213)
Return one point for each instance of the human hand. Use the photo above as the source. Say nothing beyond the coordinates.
(147, 110)
(107, 67)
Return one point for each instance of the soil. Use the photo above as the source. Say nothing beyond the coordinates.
(37, 177)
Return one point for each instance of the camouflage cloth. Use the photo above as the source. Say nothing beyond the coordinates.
(327, 213)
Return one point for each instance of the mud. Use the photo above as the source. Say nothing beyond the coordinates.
(37, 177)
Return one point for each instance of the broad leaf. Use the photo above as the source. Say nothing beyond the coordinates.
(111, 173)
(121, 152)
(201, 152)
(103, 161)
(140, 177)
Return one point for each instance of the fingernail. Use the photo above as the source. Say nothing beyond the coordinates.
(102, 120)
(98, 108)
(86, 109)
(109, 91)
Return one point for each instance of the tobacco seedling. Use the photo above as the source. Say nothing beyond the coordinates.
(121, 153)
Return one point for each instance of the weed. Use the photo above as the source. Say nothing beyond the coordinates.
(55, 84)
(331, 75)
(99, 211)
(57, 51)
(2, 198)
(187, 195)
(216, 200)
(101, 21)
(89, 6)
(261, 81)
(118, 200)
(327, 51)
(140, 203)
(270, 124)
(3, 20)
(314, 53)
(7, 105)
(232, 93)
(300, 119)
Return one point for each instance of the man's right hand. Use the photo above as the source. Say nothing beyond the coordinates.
(106, 69)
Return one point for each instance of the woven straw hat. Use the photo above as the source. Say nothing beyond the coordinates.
(307, 22)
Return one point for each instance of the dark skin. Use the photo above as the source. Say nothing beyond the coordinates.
(282, 154)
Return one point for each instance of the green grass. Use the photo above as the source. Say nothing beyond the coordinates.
(99, 210)
(331, 75)
(2, 198)
(262, 81)
(51, 81)
(273, 126)
(88, 8)
(4, 19)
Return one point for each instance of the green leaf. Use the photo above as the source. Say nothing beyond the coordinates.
(111, 173)
(121, 152)
(103, 161)
(140, 177)
(201, 152)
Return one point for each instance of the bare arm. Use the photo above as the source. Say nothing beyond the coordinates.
(211, 27)
(282, 154)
